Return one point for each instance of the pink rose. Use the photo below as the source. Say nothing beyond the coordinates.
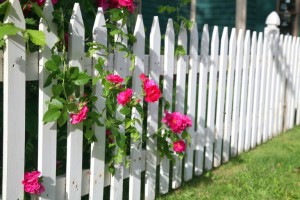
(79, 117)
(143, 77)
(124, 97)
(54, 2)
(129, 4)
(103, 4)
(177, 121)
(179, 146)
(116, 79)
(40, 2)
(152, 91)
(32, 183)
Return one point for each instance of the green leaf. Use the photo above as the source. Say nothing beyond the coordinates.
(51, 115)
(180, 51)
(111, 170)
(49, 79)
(120, 139)
(82, 79)
(95, 80)
(184, 135)
(74, 72)
(72, 107)
(89, 134)
(37, 37)
(125, 110)
(8, 29)
(37, 10)
(55, 104)
(62, 119)
(56, 59)
(132, 62)
(51, 66)
(139, 108)
(4, 7)
(115, 32)
(56, 90)
(30, 21)
(135, 135)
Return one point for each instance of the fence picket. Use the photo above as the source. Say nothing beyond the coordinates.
(202, 93)
(237, 91)
(271, 121)
(167, 86)
(152, 124)
(282, 60)
(294, 81)
(221, 98)
(244, 92)
(14, 110)
(214, 65)
(120, 68)
(278, 62)
(98, 148)
(262, 91)
(229, 94)
(267, 93)
(47, 132)
(250, 96)
(75, 133)
(297, 103)
(135, 150)
(180, 98)
(257, 85)
(191, 100)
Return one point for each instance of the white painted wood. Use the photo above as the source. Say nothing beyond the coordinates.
(135, 150)
(297, 103)
(75, 133)
(250, 96)
(237, 91)
(244, 92)
(277, 60)
(202, 95)
(14, 107)
(214, 65)
(282, 61)
(180, 99)
(97, 165)
(121, 68)
(167, 86)
(229, 95)
(191, 100)
(152, 121)
(271, 112)
(47, 132)
(268, 90)
(288, 84)
(294, 72)
(262, 91)
(257, 87)
(221, 98)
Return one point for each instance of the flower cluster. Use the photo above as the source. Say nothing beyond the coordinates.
(152, 92)
(108, 4)
(76, 118)
(33, 183)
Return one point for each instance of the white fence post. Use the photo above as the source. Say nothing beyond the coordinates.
(75, 133)
(14, 107)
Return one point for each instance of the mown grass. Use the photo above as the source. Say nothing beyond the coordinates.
(270, 171)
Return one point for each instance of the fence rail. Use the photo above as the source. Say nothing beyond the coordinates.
(242, 90)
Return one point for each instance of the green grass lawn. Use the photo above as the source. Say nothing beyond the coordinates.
(270, 171)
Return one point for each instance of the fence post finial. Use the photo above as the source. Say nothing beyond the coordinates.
(272, 23)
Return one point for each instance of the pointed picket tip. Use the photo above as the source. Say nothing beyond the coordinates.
(233, 34)
(224, 35)
(48, 6)
(76, 18)
(215, 40)
(194, 29)
(240, 35)
(99, 29)
(139, 30)
(205, 40)
(15, 14)
(260, 37)
(182, 37)
(47, 11)
(194, 40)
(155, 29)
(170, 27)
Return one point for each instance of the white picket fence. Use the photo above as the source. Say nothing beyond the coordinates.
(241, 92)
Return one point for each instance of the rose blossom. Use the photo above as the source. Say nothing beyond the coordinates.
(177, 121)
(124, 97)
(79, 117)
(129, 4)
(31, 183)
(116, 79)
(103, 4)
(54, 2)
(179, 146)
(151, 89)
